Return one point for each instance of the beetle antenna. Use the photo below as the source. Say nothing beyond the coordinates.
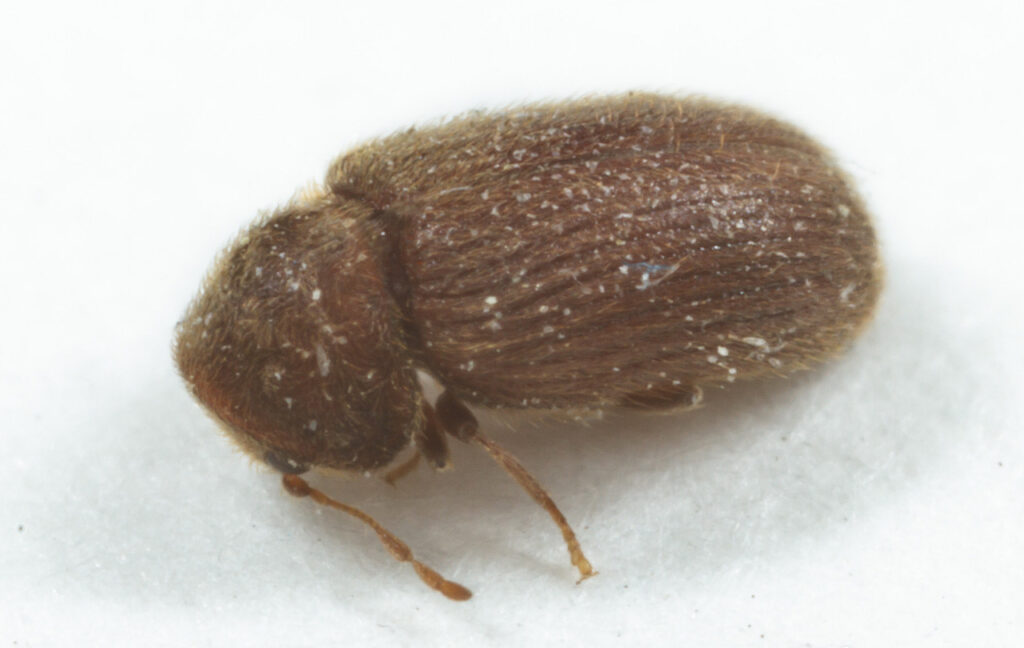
(537, 492)
(298, 487)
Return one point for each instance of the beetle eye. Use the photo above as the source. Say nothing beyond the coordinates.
(283, 465)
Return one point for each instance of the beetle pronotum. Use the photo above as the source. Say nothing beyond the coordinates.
(613, 251)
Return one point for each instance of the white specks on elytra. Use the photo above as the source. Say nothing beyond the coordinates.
(323, 362)
(844, 294)
(453, 190)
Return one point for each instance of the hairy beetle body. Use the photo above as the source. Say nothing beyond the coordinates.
(571, 256)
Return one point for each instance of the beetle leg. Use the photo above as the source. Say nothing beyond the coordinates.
(298, 487)
(402, 469)
(456, 418)
(429, 443)
(430, 440)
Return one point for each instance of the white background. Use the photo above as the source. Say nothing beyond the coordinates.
(876, 501)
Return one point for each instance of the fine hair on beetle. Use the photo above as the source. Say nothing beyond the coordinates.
(620, 251)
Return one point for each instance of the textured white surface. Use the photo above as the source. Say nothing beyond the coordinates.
(874, 502)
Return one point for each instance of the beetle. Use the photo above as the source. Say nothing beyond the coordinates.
(575, 256)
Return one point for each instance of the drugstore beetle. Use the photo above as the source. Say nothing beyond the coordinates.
(611, 251)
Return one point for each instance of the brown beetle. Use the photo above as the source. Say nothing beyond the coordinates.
(619, 251)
